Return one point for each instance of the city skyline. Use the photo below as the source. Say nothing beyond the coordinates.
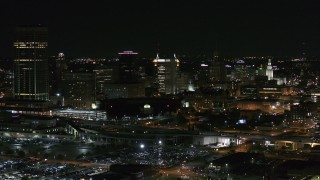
(159, 89)
(102, 28)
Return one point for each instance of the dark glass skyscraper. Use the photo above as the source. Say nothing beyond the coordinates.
(128, 68)
(30, 63)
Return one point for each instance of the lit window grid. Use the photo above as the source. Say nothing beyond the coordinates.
(30, 45)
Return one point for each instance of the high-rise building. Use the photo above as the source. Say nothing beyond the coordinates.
(298, 112)
(57, 66)
(260, 71)
(104, 76)
(166, 74)
(269, 70)
(240, 72)
(6, 84)
(128, 69)
(130, 90)
(217, 69)
(78, 89)
(30, 63)
(202, 73)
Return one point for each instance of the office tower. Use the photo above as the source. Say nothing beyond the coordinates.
(298, 112)
(202, 73)
(269, 70)
(128, 68)
(57, 66)
(61, 67)
(127, 90)
(6, 84)
(104, 76)
(240, 72)
(30, 63)
(166, 74)
(78, 89)
(261, 71)
(217, 69)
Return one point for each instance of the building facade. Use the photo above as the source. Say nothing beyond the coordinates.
(128, 67)
(217, 69)
(30, 63)
(166, 74)
(269, 70)
(78, 89)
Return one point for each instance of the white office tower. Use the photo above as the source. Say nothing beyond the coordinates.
(166, 74)
(269, 70)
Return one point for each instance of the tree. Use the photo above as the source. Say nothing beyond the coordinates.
(24, 178)
(46, 155)
(21, 154)
(9, 151)
(60, 156)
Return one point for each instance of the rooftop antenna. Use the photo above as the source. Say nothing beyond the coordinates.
(215, 52)
(158, 48)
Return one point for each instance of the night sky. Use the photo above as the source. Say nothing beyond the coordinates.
(101, 28)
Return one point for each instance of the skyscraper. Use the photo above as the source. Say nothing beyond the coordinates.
(166, 74)
(57, 66)
(269, 70)
(30, 63)
(128, 69)
(240, 72)
(217, 69)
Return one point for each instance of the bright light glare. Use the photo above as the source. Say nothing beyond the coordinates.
(141, 146)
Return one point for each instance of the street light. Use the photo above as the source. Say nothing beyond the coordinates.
(227, 168)
(141, 146)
